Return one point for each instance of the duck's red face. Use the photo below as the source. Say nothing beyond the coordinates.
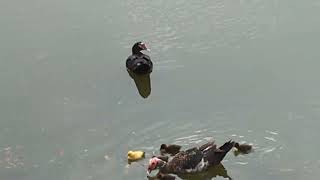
(153, 164)
(143, 46)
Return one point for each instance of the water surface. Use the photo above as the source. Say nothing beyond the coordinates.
(246, 70)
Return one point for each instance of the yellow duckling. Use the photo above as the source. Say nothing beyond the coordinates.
(135, 155)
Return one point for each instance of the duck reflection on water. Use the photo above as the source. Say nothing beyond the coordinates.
(212, 172)
(142, 82)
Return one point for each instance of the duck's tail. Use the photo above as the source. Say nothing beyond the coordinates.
(216, 156)
(228, 146)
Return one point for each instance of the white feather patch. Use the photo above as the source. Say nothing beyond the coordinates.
(200, 166)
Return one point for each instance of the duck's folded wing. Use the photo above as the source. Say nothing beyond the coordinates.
(207, 146)
(130, 61)
(186, 160)
(148, 60)
(146, 57)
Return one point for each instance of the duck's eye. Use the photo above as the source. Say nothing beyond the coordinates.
(153, 165)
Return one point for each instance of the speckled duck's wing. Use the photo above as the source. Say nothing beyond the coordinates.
(185, 161)
(208, 145)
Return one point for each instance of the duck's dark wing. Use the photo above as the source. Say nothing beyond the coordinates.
(208, 145)
(148, 61)
(146, 57)
(185, 160)
(131, 61)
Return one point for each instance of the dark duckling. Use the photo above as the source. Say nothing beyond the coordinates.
(243, 148)
(138, 62)
(171, 149)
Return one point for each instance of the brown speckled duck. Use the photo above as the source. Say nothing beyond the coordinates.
(193, 160)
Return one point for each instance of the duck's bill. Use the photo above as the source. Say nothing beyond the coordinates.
(144, 47)
(148, 172)
(152, 173)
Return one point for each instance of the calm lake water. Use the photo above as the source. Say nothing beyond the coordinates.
(246, 70)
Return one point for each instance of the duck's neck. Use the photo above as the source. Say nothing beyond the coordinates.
(137, 53)
(165, 169)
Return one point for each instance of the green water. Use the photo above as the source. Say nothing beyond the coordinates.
(246, 70)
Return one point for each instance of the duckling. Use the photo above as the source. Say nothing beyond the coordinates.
(135, 155)
(243, 148)
(171, 149)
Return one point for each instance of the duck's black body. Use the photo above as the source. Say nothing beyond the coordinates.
(196, 159)
(138, 62)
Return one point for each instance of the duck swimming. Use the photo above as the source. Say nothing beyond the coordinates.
(197, 159)
(138, 62)
(243, 148)
(135, 155)
(171, 149)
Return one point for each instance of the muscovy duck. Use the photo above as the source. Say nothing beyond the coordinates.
(193, 160)
(138, 62)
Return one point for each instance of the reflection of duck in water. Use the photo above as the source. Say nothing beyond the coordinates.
(212, 172)
(197, 159)
(161, 176)
(138, 62)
